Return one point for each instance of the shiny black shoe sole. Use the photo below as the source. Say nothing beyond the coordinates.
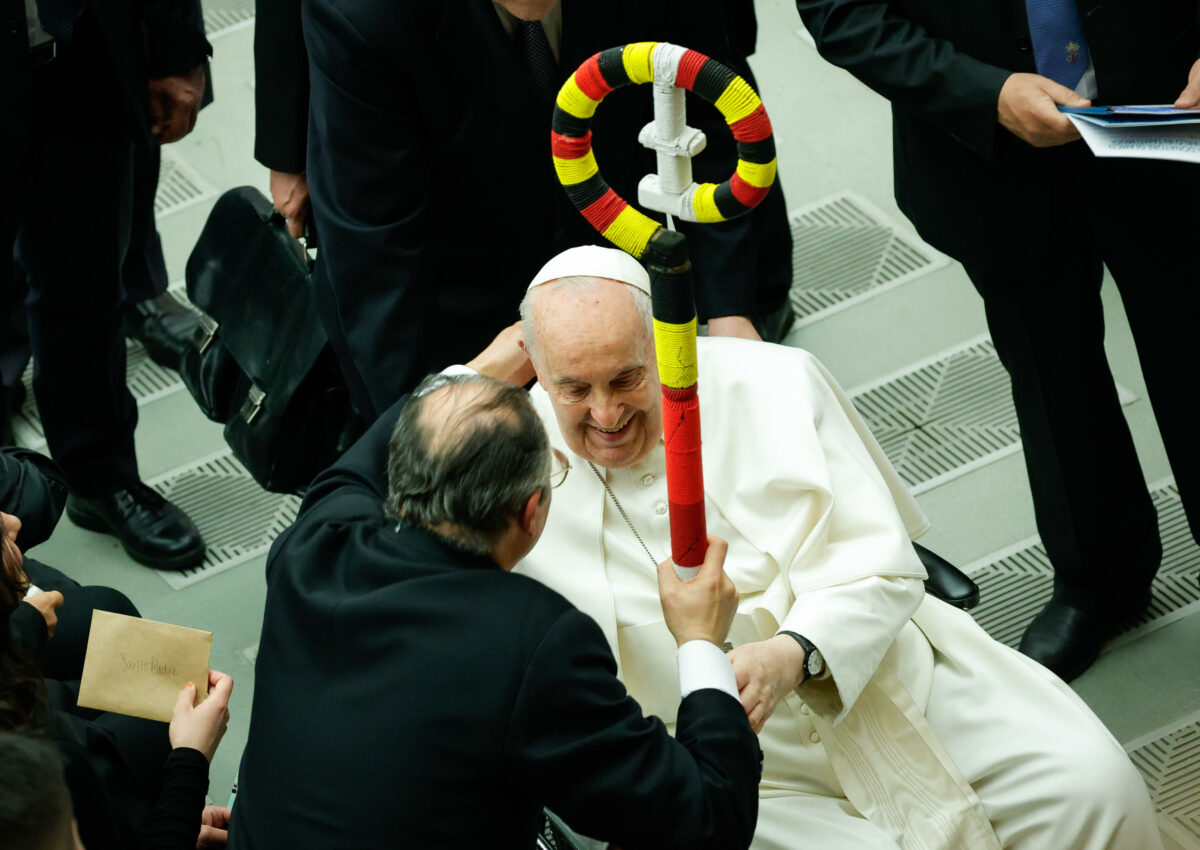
(94, 522)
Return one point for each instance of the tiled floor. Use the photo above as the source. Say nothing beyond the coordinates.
(894, 320)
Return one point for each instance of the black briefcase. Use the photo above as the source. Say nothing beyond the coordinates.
(261, 362)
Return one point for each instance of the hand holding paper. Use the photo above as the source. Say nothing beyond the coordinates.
(202, 726)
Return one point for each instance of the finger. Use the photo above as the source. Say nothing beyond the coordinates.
(156, 113)
(55, 598)
(1189, 98)
(186, 698)
(757, 718)
(1062, 95)
(221, 686)
(295, 226)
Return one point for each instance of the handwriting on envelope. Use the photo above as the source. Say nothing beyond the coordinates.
(137, 667)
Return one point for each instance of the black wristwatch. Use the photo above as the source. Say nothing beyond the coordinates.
(814, 661)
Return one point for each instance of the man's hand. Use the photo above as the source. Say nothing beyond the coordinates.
(703, 608)
(765, 671)
(175, 103)
(1028, 108)
(47, 603)
(737, 326)
(202, 726)
(289, 194)
(505, 358)
(1189, 98)
(214, 827)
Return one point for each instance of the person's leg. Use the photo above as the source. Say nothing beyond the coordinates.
(63, 655)
(154, 318)
(1146, 232)
(789, 821)
(1093, 512)
(73, 238)
(1046, 770)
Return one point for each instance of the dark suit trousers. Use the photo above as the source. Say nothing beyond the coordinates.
(1093, 510)
(70, 210)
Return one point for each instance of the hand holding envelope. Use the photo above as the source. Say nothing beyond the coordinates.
(138, 667)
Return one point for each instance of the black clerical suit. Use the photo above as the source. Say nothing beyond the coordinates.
(72, 121)
(410, 695)
(432, 184)
(1032, 227)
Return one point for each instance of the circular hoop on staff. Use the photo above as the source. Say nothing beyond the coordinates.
(669, 64)
(664, 252)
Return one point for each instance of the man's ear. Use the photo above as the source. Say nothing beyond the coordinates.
(529, 513)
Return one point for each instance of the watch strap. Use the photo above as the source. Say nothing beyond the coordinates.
(809, 648)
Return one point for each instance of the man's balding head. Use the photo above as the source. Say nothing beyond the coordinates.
(465, 457)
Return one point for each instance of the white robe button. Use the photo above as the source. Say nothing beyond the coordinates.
(814, 737)
(647, 480)
(660, 508)
(804, 708)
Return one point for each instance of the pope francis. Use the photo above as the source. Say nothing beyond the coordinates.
(888, 719)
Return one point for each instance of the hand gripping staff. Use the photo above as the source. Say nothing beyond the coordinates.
(672, 69)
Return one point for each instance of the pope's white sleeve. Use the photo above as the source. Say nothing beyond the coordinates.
(852, 624)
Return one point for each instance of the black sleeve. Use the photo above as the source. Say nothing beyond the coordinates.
(175, 821)
(353, 488)
(584, 746)
(280, 86)
(920, 74)
(29, 632)
(175, 42)
(32, 488)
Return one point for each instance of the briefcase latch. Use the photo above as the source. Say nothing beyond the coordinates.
(205, 333)
(255, 399)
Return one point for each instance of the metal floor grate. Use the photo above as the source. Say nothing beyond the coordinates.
(178, 186)
(945, 416)
(844, 250)
(1170, 763)
(146, 380)
(1016, 583)
(239, 520)
(221, 15)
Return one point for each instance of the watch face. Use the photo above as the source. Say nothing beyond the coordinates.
(815, 662)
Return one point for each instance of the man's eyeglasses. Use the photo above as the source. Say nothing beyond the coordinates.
(559, 467)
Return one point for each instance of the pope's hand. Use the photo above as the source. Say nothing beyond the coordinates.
(505, 358)
(1028, 107)
(765, 671)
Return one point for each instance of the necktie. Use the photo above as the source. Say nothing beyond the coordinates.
(1058, 44)
(58, 17)
(535, 50)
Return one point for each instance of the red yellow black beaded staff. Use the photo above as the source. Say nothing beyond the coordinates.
(671, 69)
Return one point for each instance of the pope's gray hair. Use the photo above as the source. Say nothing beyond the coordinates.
(579, 283)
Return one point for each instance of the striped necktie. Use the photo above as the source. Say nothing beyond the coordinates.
(535, 50)
(1059, 47)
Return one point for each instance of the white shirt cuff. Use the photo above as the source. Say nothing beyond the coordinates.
(705, 665)
(458, 369)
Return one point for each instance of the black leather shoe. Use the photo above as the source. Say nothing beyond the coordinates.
(946, 581)
(164, 326)
(153, 531)
(1067, 639)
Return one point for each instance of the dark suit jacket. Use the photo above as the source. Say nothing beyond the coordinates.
(432, 184)
(973, 189)
(410, 695)
(145, 38)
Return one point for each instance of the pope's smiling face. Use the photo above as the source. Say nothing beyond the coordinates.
(595, 358)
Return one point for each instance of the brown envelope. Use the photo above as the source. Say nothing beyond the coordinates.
(137, 667)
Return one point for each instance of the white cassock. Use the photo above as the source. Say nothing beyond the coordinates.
(928, 733)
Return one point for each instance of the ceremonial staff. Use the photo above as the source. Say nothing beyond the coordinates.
(672, 70)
